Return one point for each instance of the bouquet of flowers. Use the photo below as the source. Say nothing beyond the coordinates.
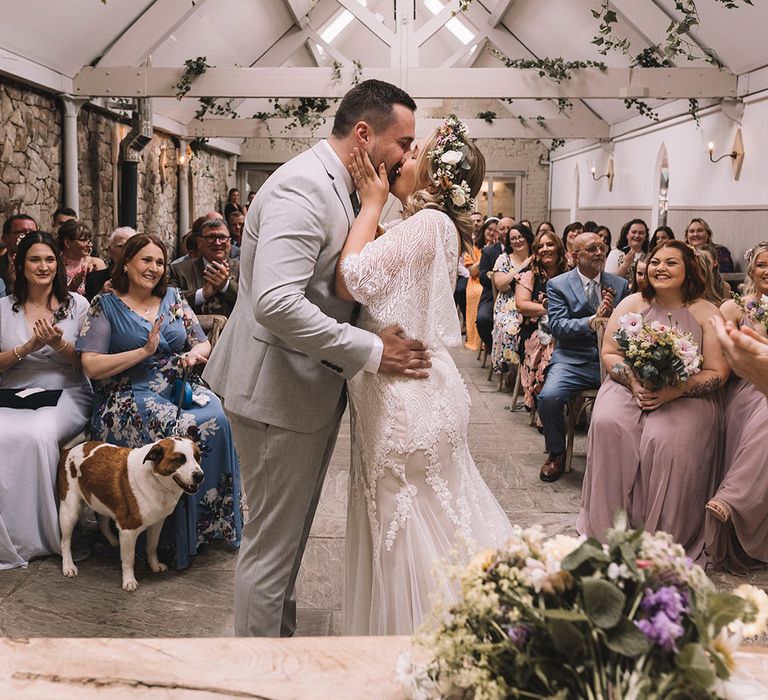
(756, 310)
(659, 355)
(566, 618)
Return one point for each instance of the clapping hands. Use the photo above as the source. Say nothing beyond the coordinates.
(215, 276)
(47, 334)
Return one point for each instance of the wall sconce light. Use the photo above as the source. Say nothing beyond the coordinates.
(184, 155)
(736, 155)
(608, 174)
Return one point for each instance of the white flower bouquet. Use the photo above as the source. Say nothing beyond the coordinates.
(564, 618)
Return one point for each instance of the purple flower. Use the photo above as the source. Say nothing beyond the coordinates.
(660, 630)
(668, 599)
(518, 635)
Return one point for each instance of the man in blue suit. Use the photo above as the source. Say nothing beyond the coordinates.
(574, 300)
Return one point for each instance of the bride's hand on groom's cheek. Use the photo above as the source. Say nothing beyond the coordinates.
(372, 185)
(403, 355)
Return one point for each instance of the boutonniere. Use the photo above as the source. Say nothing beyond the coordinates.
(176, 312)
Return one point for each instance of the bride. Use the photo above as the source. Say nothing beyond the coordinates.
(416, 496)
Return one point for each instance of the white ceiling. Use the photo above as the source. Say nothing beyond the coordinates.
(64, 36)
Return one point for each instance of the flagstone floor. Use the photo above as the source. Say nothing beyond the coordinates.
(197, 602)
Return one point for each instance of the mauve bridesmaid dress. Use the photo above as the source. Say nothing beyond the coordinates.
(660, 465)
(742, 543)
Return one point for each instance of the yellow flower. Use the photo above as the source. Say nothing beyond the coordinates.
(726, 645)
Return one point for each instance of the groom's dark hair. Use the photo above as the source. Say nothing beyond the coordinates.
(371, 101)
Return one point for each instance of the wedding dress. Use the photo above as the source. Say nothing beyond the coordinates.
(416, 498)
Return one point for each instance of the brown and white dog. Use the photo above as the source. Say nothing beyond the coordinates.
(137, 488)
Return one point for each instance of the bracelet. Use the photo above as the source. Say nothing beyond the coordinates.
(18, 357)
(63, 345)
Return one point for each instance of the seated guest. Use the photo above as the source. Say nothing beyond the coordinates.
(535, 340)
(574, 301)
(736, 524)
(515, 258)
(75, 245)
(61, 215)
(605, 234)
(233, 203)
(590, 226)
(235, 223)
(485, 235)
(209, 282)
(96, 280)
(460, 291)
(633, 241)
(698, 233)
(654, 453)
(39, 324)
(569, 236)
(189, 240)
(488, 256)
(137, 341)
(637, 275)
(14, 229)
(545, 226)
(745, 350)
(717, 289)
(661, 234)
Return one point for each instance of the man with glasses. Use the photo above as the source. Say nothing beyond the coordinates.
(575, 300)
(209, 281)
(14, 229)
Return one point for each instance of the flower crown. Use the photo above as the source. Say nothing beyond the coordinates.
(750, 252)
(449, 163)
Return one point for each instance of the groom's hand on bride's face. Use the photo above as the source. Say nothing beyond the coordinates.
(403, 355)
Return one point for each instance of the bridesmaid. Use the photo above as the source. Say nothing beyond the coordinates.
(485, 236)
(736, 524)
(653, 453)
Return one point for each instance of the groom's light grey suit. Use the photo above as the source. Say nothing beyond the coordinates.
(280, 366)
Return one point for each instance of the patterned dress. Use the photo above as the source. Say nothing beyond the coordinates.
(136, 407)
(506, 321)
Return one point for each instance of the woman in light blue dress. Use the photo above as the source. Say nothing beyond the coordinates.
(135, 343)
(39, 324)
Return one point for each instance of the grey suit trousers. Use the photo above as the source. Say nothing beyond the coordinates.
(282, 474)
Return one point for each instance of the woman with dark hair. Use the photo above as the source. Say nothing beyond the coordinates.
(233, 203)
(660, 235)
(698, 232)
(637, 274)
(485, 235)
(605, 233)
(138, 343)
(736, 523)
(545, 226)
(536, 345)
(76, 243)
(39, 324)
(570, 233)
(654, 452)
(633, 240)
(506, 320)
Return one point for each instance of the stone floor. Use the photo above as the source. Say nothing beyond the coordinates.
(197, 602)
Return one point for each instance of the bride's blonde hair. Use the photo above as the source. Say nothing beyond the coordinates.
(435, 195)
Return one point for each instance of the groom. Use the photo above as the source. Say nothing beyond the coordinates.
(288, 347)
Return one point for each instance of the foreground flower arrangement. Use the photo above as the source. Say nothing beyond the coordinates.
(564, 618)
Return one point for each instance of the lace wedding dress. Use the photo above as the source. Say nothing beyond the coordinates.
(416, 497)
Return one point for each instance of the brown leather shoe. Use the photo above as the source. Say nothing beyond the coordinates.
(553, 468)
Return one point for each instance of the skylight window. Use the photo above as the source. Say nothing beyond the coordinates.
(453, 25)
(339, 24)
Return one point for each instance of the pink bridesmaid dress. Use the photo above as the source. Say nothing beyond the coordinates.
(660, 465)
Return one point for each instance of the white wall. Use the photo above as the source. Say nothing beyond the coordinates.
(736, 210)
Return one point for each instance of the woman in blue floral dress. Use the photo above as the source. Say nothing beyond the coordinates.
(135, 343)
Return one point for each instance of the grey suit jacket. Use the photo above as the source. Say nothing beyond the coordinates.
(289, 345)
(187, 275)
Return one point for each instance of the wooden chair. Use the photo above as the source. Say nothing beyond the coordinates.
(584, 399)
(212, 325)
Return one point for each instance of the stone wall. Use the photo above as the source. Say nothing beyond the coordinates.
(212, 176)
(30, 153)
(159, 190)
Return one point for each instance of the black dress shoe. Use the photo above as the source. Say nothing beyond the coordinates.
(553, 468)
